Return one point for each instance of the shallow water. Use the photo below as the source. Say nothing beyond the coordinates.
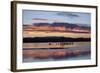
(80, 46)
(81, 57)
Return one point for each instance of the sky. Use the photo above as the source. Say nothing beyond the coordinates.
(36, 16)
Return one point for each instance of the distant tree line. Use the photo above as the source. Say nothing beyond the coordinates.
(54, 39)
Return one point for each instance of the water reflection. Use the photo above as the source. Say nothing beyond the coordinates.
(41, 52)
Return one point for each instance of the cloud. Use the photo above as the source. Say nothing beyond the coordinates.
(68, 14)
